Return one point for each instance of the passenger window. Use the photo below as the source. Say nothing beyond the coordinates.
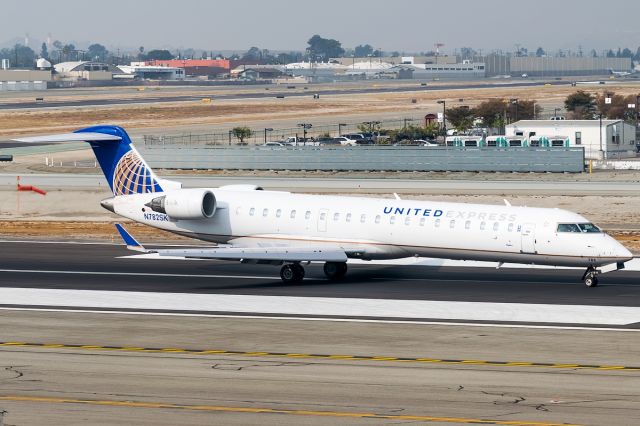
(422, 221)
(278, 213)
(496, 226)
(510, 227)
(348, 217)
(378, 219)
(238, 211)
(467, 225)
(323, 216)
(407, 220)
(452, 224)
(252, 211)
(307, 215)
(482, 226)
(392, 220)
(265, 212)
(437, 223)
(336, 216)
(363, 218)
(293, 214)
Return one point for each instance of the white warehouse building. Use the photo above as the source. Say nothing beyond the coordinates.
(608, 139)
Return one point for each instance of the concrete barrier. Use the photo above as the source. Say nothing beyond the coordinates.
(373, 158)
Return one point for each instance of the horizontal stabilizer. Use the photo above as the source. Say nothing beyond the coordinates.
(131, 242)
(71, 137)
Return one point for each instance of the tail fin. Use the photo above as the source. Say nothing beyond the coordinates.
(123, 167)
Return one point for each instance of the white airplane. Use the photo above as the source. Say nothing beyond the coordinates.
(281, 228)
(621, 73)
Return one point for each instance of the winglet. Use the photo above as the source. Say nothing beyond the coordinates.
(131, 242)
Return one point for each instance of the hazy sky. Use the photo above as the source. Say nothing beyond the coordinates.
(410, 25)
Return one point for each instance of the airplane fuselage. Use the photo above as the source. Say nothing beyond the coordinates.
(370, 228)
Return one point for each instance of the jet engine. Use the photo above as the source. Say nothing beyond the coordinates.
(185, 204)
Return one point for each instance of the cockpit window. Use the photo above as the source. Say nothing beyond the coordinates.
(578, 228)
(589, 227)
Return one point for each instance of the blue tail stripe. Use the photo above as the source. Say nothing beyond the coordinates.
(123, 168)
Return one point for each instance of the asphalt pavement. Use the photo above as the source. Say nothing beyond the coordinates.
(267, 94)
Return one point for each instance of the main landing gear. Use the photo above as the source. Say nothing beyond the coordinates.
(335, 270)
(590, 277)
(294, 272)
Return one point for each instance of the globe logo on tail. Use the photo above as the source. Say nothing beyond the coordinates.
(132, 176)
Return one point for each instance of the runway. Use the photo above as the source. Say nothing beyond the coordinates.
(266, 94)
(76, 363)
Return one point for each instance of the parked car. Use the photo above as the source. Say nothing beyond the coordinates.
(355, 136)
(273, 144)
(424, 142)
(409, 142)
(343, 140)
(327, 141)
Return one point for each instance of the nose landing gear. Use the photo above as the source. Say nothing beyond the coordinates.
(590, 277)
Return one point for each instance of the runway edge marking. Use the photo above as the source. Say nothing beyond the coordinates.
(265, 410)
(334, 357)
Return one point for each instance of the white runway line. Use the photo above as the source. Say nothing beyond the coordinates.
(321, 319)
(134, 274)
(323, 306)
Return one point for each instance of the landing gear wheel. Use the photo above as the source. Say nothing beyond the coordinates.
(292, 273)
(335, 270)
(590, 277)
(591, 280)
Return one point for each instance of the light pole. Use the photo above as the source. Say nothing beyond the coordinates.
(555, 112)
(444, 117)
(305, 127)
(601, 151)
(514, 101)
(340, 126)
(269, 129)
(405, 122)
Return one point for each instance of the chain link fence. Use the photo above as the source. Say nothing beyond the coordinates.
(261, 136)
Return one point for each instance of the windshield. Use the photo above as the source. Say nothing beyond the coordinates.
(578, 228)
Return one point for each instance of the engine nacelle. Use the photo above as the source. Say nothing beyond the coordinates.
(185, 204)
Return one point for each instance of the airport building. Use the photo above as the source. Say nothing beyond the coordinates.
(85, 70)
(606, 139)
(150, 72)
(551, 66)
(24, 80)
(210, 68)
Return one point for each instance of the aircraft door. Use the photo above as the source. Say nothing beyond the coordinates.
(323, 217)
(528, 236)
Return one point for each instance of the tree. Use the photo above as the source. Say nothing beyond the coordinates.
(467, 52)
(618, 108)
(540, 52)
(253, 54)
(66, 51)
(160, 55)
(241, 133)
(626, 53)
(362, 51)
(141, 55)
(19, 56)
(637, 57)
(581, 104)
(461, 118)
(97, 52)
(492, 112)
(528, 110)
(44, 52)
(324, 48)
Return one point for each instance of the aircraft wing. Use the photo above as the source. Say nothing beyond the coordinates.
(244, 254)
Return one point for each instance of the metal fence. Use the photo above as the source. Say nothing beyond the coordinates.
(370, 158)
(260, 136)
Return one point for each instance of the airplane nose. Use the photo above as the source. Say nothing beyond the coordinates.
(619, 251)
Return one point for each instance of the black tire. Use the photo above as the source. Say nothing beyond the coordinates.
(335, 270)
(591, 281)
(293, 273)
